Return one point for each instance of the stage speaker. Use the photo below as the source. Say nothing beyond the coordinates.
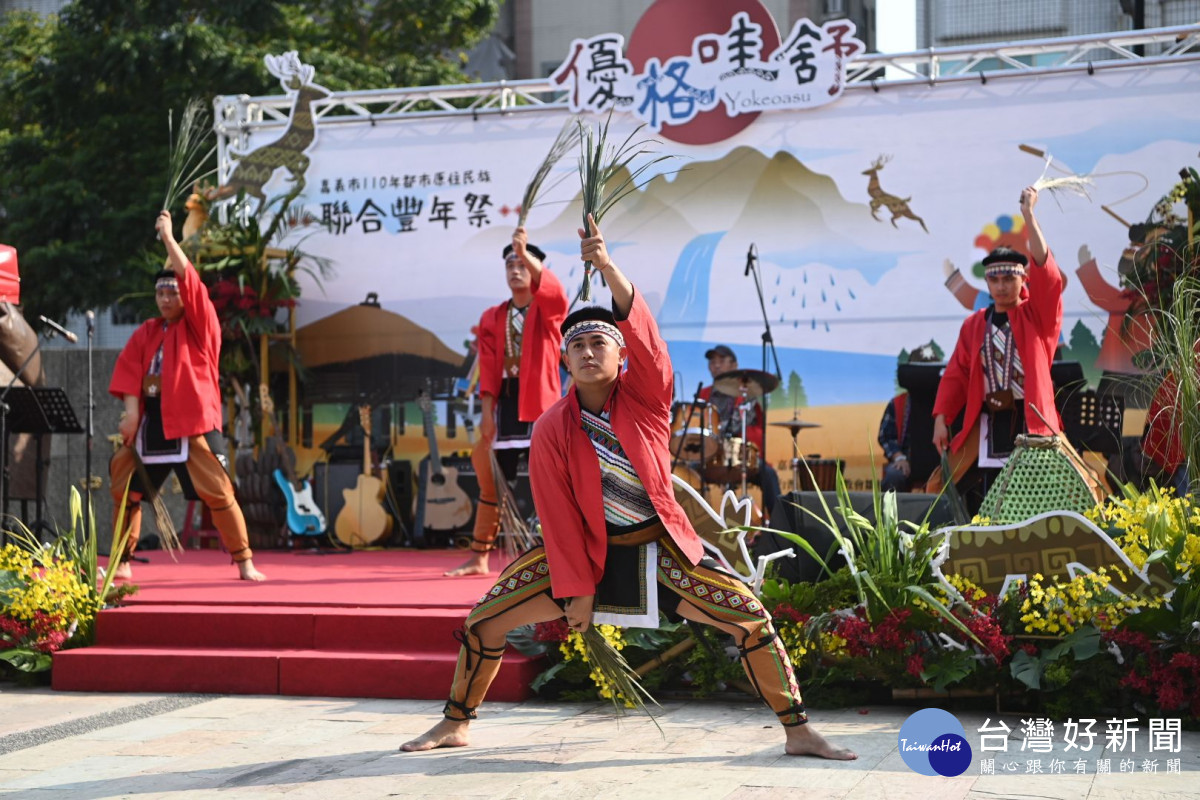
(401, 491)
(329, 479)
(791, 514)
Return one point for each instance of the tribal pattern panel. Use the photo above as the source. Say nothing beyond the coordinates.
(529, 574)
(707, 586)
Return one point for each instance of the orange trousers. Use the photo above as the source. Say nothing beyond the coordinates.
(521, 596)
(209, 479)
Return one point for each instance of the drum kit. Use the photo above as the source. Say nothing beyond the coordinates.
(710, 454)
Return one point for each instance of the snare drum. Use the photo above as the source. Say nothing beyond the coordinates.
(691, 435)
(727, 467)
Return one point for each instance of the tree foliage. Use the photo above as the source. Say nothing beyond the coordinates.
(84, 99)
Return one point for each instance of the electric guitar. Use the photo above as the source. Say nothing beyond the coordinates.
(363, 521)
(441, 504)
(304, 518)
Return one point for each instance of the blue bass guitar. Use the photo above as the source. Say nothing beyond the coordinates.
(304, 518)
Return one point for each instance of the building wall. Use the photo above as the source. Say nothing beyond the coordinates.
(40, 6)
(946, 23)
(543, 29)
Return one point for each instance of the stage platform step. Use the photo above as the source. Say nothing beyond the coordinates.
(311, 673)
(296, 627)
(366, 624)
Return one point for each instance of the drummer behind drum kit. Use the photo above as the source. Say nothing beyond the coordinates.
(710, 461)
(702, 455)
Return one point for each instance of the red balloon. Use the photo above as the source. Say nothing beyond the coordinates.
(668, 28)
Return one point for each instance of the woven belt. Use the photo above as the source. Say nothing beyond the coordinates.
(651, 533)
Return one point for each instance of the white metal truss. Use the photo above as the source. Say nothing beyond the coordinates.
(237, 115)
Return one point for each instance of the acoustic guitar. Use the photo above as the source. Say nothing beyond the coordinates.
(441, 504)
(363, 521)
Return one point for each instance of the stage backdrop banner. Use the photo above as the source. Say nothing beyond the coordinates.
(868, 215)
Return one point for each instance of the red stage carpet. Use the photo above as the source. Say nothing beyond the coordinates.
(362, 624)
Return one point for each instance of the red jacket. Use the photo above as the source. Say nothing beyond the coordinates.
(539, 379)
(1035, 322)
(564, 471)
(191, 399)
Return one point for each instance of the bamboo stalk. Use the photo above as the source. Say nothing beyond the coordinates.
(665, 657)
(1114, 215)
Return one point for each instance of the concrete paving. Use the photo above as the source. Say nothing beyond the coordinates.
(76, 746)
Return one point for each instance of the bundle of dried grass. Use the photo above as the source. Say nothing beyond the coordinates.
(162, 517)
(607, 175)
(1067, 183)
(187, 154)
(568, 137)
(515, 536)
(624, 681)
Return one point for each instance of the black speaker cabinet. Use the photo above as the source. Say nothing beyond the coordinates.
(401, 489)
(791, 514)
(329, 479)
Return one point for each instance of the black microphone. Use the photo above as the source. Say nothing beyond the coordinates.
(59, 329)
(751, 255)
(91, 320)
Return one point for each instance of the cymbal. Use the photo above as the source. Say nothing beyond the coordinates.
(755, 381)
(795, 425)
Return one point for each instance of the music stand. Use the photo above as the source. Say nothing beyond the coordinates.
(37, 410)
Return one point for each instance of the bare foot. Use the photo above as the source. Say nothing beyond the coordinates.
(123, 572)
(447, 733)
(247, 572)
(803, 740)
(477, 564)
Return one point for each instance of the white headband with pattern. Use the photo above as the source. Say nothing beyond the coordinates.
(998, 268)
(167, 283)
(593, 326)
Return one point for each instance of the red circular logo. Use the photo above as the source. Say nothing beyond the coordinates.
(669, 27)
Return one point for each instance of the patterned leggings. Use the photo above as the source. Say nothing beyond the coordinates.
(521, 596)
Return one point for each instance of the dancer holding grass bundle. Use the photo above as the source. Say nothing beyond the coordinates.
(518, 380)
(167, 378)
(618, 547)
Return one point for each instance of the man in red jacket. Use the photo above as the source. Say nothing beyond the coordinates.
(999, 374)
(618, 547)
(167, 378)
(518, 380)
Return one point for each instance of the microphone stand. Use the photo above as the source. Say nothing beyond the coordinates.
(682, 433)
(768, 341)
(90, 434)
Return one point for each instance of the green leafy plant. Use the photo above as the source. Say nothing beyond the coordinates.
(1031, 669)
(50, 593)
(889, 559)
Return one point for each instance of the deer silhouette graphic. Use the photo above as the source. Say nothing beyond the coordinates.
(254, 169)
(898, 207)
